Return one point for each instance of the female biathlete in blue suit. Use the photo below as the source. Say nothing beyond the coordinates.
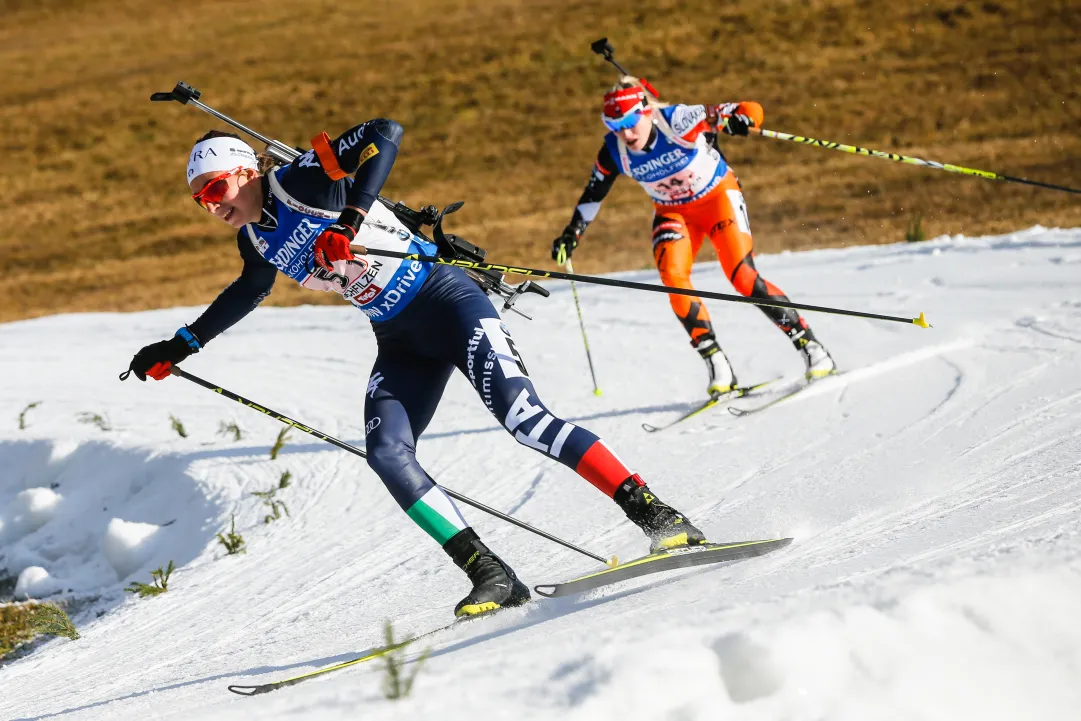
(300, 220)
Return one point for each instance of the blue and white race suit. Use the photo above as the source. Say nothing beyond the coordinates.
(380, 287)
(427, 322)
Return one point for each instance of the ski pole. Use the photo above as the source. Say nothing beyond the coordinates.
(582, 325)
(603, 47)
(906, 159)
(921, 321)
(358, 452)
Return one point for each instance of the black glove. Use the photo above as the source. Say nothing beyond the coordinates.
(564, 245)
(156, 359)
(738, 124)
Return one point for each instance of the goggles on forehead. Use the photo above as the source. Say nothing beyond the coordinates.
(627, 121)
(215, 188)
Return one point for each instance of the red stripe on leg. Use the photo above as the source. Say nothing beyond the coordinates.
(773, 290)
(600, 467)
(744, 278)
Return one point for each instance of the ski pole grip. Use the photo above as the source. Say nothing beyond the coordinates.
(182, 93)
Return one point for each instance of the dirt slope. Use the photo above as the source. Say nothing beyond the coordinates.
(500, 101)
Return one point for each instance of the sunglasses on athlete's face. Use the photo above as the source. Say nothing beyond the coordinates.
(627, 121)
(215, 188)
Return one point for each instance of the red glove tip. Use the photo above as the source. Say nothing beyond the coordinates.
(160, 371)
(330, 247)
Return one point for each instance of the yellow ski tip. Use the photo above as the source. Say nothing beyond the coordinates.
(596, 391)
(921, 321)
(613, 561)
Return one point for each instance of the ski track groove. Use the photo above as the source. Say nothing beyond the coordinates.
(1021, 421)
(529, 492)
(771, 468)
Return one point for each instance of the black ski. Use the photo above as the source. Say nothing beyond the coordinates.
(739, 392)
(679, 557)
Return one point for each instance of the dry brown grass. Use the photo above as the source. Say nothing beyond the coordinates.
(500, 101)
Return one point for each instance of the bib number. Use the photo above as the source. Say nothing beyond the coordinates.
(735, 198)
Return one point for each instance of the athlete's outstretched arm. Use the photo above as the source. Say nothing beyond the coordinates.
(235, 302)
(735, 118)
(600, 182)
(239, 298)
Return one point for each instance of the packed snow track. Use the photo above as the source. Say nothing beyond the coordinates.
(934, 492)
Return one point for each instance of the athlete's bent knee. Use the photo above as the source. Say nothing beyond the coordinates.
(676, 280)
(389, 458)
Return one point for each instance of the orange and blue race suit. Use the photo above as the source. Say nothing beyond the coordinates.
(695, 196)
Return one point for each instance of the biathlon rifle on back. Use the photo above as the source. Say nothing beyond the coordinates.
(451, 247)
(463, 254)
(603, 47)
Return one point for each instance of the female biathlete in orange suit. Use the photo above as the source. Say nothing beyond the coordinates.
(668, 150)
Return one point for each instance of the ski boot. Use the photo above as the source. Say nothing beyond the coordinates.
(665, 526)
(722, 379)
(494, 584)
(817, 360)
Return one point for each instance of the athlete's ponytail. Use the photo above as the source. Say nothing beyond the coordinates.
(629, 81)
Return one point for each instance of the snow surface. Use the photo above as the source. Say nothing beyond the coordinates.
(934, 492)
(35, 582)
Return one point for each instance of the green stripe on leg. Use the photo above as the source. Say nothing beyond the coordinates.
(436, 514)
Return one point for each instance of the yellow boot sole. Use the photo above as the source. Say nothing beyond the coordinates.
(475, 609)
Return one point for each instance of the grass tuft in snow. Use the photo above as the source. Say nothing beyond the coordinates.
(396, 685)
(230, 429)
(276, 507)
(914, 231)
(159, 585)
(22, 415)
(233, 541)
(279, 443)
(22, 622)
(48, 618)
(95, 419)
(178, 426)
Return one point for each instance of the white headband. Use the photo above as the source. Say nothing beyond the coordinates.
(218, 155)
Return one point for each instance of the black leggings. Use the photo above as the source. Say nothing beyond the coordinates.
(451, 323)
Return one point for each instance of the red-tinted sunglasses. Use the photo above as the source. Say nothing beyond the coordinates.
(215, 188)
